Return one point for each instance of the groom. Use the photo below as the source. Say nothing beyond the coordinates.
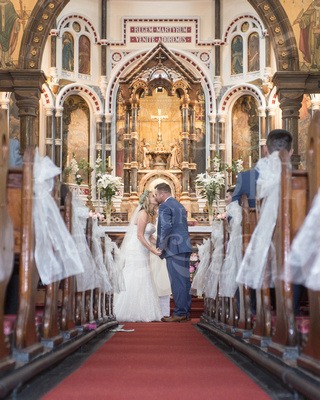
(174, 241)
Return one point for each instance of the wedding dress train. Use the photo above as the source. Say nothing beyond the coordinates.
(139, 302)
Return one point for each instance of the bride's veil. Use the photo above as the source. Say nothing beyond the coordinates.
(129, 236)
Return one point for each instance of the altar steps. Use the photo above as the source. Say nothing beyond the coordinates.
(196, 307)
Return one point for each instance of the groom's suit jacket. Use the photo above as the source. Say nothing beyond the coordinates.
(246, 184)
(172, 234)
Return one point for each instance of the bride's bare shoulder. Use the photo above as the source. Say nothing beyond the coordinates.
(142, 216)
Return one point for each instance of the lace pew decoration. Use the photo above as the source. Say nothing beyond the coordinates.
(228, 284)
(101, 273)
(56, 254)
(260, 248)
(199, 280)
(80, 213)
(304, 257)
(115, 275)
(215, 266)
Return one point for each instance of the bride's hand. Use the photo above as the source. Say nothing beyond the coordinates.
(157, 252)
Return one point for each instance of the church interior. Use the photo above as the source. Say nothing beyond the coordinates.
(100, 102)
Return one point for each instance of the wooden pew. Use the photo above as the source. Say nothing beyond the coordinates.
(249, 221)
(19, 199)
(7, 253)
(67, 322)
(310, 356)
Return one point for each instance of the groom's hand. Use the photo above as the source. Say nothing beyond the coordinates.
(159, 252)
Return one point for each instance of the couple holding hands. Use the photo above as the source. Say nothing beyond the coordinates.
(140, 302)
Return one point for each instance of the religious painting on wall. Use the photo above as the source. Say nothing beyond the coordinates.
(67, 52)
(237, 55)
(84, 55)
(76, 122)
(304, 16)
(200, 122)
(253, 52)
(305, 115)
(120, 135)
(14, 120)
(245, 131)
(14, 16)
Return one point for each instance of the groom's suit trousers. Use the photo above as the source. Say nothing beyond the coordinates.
(179, 274)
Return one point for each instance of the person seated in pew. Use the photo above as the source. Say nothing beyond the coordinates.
(15, 159)
(278, 139)
(229, 194)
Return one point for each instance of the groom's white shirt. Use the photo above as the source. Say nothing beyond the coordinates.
(167, 198)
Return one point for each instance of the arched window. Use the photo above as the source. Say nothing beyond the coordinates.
(253, 52)
(245, 47)
(84, 55)
(67, 52)
(237, 55)
(245, 130)
(76, 50)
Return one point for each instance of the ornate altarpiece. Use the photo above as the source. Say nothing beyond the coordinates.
(159, 98)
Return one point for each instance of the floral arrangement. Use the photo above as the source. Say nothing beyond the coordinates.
(210, 185)
(77, 169)
(108, 185)
(236, 166)
(220, 216)
(194, 263)
(96, 215)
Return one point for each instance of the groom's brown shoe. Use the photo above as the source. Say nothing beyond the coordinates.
(174, 318)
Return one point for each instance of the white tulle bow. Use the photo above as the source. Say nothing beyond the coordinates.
(214, 269)
(86, 280)
(199, 280)
(304, 257)
(56, 254)
(254, 263)
(115, 274)
(228, 284)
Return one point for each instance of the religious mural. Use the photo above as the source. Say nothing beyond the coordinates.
(76, 122)
(84, 55)
(14, 16)
(120, 135)
(305, 115)
(253, 52)
(67, 52)
(200, 122)
(304, 16)
(245, 131)
(237, 55)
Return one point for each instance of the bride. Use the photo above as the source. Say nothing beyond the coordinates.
(139, 302)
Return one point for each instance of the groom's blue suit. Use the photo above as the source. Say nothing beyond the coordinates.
(174, 241)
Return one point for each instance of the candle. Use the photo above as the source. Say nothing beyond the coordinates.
(90, 161)
(209, 162)
(109, 161)
(68, 161)
(249, 161)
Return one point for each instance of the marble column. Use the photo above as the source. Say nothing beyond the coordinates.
(290, 106)
(262, 123)
(58, 137)
(271, 118)
(28, 107)
(108, 145)
(212, 145)
(49, 141)
(222, 137)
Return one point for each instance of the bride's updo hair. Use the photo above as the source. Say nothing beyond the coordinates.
(145, 202)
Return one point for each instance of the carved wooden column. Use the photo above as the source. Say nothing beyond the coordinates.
(134, 152)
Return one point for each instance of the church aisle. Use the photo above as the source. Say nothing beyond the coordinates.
(158, 361)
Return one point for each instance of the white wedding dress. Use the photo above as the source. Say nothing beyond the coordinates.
(139, 302)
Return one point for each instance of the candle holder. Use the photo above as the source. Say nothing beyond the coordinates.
(229, 172)
(89, 203)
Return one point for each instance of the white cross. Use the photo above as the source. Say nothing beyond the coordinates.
(159, 117)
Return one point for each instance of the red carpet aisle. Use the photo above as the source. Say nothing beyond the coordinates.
(158, 361)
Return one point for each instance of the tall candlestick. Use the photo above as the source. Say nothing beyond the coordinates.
(249, 161)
